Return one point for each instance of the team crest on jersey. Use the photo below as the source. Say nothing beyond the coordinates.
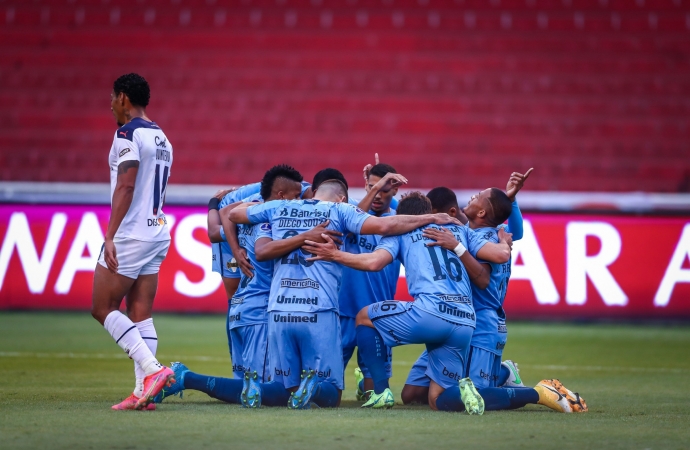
(124, 151)
(488, 235)
(265, 227)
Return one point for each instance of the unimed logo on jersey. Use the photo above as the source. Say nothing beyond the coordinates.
(565, 266)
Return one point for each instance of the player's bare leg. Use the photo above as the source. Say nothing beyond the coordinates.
(231, 285)
(414, 394)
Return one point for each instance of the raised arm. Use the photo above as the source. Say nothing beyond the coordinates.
(401, 224)
(328, 251)
(385, 184)
(515, 183)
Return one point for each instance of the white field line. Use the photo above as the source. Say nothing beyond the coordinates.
(183, 358)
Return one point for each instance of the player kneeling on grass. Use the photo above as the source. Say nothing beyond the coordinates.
(441, 315)
(247, 316)
(137, 239)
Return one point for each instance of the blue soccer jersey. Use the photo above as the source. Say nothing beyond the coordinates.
(248, 306)
(439, 284)
(299, 285)
(359, 289)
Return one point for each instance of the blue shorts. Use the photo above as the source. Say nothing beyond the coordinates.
(447, 343)
(222, 256)
(484, 369)
(309, 341)
(349, 332)
(250, 351)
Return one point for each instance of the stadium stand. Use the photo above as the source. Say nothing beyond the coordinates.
(594, 93)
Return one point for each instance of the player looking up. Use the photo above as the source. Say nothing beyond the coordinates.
(359, 289)
(137, 239)
(247, 315)
(441, 315)
(489, 339)
(303, 328)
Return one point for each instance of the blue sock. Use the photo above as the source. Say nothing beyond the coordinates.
(503, 376)
(361, 386)
(225, 389)
(370, 345)
(325, 395)
(274, 394)
(450, 400)
(507, 398)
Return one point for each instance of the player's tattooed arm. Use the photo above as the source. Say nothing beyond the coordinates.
(122, 200)
(328, 251)
(497, 253)
(230, 230)
(401, 224)
(479, 273)
(385, 184)
(267, 249)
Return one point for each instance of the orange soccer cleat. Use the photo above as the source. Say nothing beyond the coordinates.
(553, 394)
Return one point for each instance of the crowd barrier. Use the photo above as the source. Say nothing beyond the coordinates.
(572, 266)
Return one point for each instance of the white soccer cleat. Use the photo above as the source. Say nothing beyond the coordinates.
(514, 379)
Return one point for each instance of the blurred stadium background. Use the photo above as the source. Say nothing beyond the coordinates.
(595, 94)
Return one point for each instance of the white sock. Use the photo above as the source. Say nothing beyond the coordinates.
(148, 334)
(127, 336)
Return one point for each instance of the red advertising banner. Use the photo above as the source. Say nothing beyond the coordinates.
(566, 266)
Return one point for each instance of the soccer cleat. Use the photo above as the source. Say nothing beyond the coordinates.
(300, 399)
(155, 383)
(553, 394)
(251, 392)
(384, 400)
(177, 387)
(131, 403)
(474, 403)
(514, 379)
(359, 379)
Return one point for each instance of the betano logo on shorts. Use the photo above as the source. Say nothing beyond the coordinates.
(158, 222)
(299, 284)
(452, 375)
(277, 317)
(297, 300)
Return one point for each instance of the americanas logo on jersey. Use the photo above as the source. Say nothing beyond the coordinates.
(158, 222)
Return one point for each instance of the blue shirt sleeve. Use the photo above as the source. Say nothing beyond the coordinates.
(263, 212)
(391, 244)
(264, 231)
(394, 203)
(222, 234)
(515, 222)
(239, 194)
(351, 217)
(476, 239)
(305, 186)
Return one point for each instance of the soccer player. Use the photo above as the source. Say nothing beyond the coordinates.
(359, 289)
(137, 239)
(489, 339)
(247, 315)
(304, 328)
(441, 315)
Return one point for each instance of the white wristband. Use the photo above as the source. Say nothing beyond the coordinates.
(460, 249)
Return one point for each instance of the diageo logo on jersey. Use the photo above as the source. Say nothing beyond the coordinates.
(159, 222)
(455, 298)
(299, 284)
(124, 151)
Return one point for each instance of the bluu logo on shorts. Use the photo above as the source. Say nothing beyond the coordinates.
(451, 375)
(293, 319)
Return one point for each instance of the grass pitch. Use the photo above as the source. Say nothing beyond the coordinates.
(60, 373)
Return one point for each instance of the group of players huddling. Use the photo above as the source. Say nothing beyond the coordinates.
(310, 275)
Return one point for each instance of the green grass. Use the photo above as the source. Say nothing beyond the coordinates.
(60, 373)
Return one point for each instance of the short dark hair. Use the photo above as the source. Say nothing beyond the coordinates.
(501, 206)
(380, 170)
(414, 204)
(279, 171)
(338, 186)
(135, 87)
(328, 174)
(442, 199)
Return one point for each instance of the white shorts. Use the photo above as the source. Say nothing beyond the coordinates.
(136, 258)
